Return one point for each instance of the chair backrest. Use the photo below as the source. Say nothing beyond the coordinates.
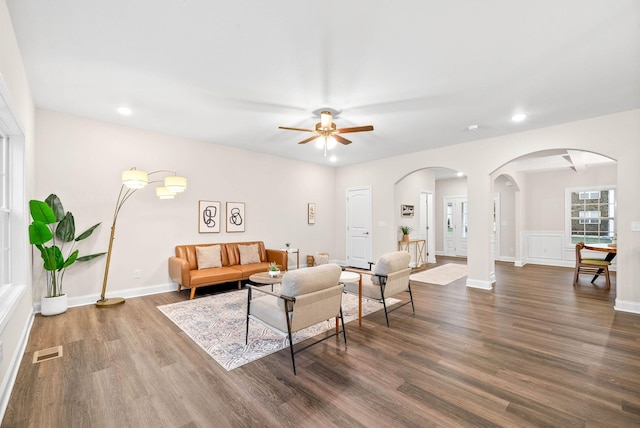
(317, 292)
(579, 247)
(395, 265)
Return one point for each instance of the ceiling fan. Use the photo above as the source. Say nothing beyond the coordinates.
(326, 132)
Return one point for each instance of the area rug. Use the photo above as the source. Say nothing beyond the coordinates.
(441, 275)
(217, 323)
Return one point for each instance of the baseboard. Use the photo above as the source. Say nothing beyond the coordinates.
(128, 293)
(14, 366)
(482, 285)
(627, 306)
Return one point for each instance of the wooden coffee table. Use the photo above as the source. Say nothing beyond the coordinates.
(263, 278)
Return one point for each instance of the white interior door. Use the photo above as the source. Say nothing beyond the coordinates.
(455, 226)
(359, 227)
(426, 227)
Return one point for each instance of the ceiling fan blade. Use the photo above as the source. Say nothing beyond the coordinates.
(340, 139)
(355, 129)
(296, 129)
(308, 139)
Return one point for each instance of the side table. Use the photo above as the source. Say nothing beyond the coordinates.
(295, 251)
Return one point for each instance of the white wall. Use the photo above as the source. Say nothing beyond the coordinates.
(81, 161)
(17, 99)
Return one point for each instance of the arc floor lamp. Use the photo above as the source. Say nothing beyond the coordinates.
(132, 181)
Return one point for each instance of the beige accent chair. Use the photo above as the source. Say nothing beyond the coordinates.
(390, 276)
(590, 266)
(307, 296)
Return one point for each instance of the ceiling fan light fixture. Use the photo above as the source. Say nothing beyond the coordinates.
(319, 142)
(325, 120)
(331, 143)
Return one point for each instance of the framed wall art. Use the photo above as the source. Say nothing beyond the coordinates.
(208, 216)
(235, 217)
(406, 210)
(311, 213)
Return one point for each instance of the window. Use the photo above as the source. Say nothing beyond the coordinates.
(592, 215)
(5, 213)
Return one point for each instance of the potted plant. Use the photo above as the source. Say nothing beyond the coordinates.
(405, 232)
(273, 269)
(52, 232)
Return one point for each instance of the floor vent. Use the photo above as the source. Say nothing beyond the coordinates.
(47, 354)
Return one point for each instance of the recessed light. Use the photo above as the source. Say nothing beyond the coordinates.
(518, 117)
(125, 111)
(333, 159)
(460, 174)
(472, 128)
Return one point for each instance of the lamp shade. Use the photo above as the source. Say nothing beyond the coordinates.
(134, 179)
(175, 184)
(164, 193)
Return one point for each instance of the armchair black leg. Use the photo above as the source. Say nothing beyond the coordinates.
(293, 358)
(384, 303)
(246, 335)
(411, 297)
(344, 332)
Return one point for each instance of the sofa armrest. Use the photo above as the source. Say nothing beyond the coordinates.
(179, 271)
(280, 257)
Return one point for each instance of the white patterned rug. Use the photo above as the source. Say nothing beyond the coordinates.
(441, 275)
(217, 323)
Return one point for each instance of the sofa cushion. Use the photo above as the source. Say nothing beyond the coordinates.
(321, 259)
(247, 270)
(214, 276)
(249, 254)
(208, 257)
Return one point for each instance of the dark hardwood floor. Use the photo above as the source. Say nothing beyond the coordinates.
(534, 352)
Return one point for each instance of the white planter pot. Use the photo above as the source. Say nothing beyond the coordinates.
(53, 305)
(274, 273)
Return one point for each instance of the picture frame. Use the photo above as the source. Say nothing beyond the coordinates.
(235, 217)
(311, 213)
(208, 216)
(407, 210)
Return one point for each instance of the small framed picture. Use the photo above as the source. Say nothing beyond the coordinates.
(208, 216)
(311, 213)
(235, 217)
(406, 210)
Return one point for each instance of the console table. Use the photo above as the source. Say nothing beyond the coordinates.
(419, 247)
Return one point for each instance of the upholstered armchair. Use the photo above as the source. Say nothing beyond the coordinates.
(390, 276)
(307, 296)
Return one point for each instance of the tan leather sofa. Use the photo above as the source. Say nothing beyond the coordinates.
(183, 267)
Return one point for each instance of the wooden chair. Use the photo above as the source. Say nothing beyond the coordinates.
(590, 266)
(307, 296)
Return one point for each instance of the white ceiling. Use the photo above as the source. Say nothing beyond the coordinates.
(420, 72)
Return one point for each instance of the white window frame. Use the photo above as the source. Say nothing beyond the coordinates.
(585, 192)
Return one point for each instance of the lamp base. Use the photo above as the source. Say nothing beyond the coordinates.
(110, 302)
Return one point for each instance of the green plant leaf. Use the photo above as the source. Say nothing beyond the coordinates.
(39, 233)
(89, 257)
(72, 258)
(41, 212)
(87, 232)
(54, 203)
(66, 230)
(52, 257)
